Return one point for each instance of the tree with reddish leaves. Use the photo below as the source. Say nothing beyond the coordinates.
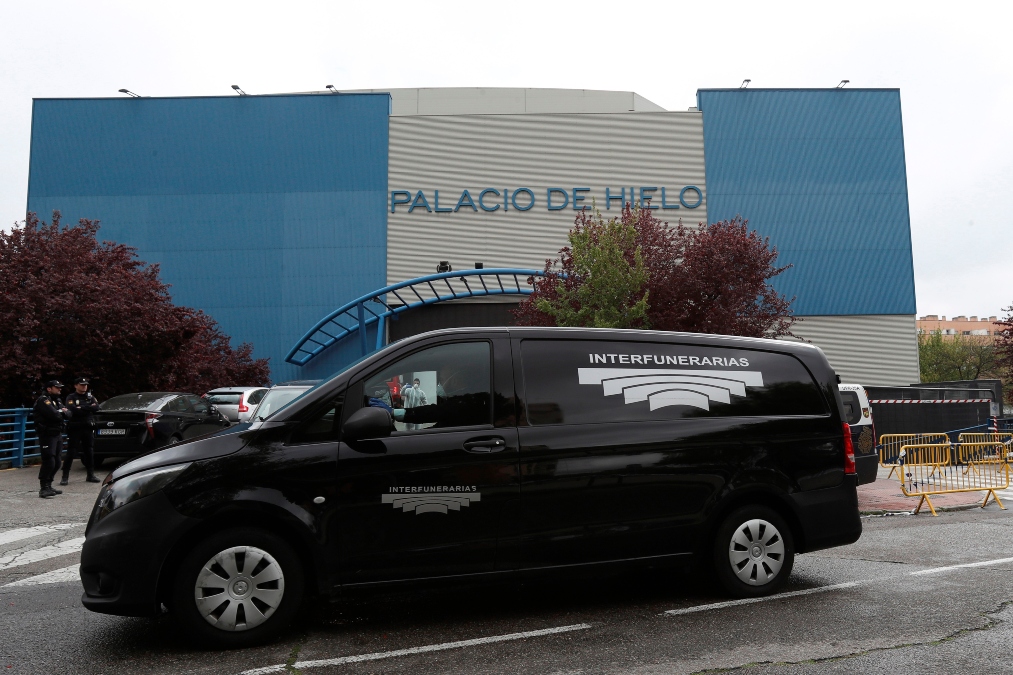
(1004, 351)
(708, 279)
(72, 306)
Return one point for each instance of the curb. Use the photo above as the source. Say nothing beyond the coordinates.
(884, 512)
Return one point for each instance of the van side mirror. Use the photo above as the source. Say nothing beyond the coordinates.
(367, 423)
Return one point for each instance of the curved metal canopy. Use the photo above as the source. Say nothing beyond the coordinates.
(374, 308)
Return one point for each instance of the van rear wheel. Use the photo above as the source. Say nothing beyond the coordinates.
(753, 552)
(238, 588)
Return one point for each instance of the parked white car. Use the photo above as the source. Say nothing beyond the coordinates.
(280, 396)
(236, 403)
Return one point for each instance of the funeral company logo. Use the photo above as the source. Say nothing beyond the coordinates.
(663, 387)
(432, 499)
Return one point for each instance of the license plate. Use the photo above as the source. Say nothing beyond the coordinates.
(112, 432)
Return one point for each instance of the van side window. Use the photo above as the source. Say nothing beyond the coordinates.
(852, 407)
(443, 386)
(584, 382)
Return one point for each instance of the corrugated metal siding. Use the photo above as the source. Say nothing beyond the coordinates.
(453, 153)
(822, 173)
(874, 350)
(512, 100)
(265, 212)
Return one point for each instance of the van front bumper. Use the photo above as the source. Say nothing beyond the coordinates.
(123, 556)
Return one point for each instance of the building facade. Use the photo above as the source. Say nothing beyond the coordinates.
(268, 212)
(959, 325)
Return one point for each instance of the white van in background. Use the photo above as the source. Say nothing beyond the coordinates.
(863, 432)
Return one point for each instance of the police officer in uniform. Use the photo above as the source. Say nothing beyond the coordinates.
(80, 430)
(50, 416)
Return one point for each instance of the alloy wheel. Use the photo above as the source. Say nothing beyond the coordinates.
(756, 552)
(239, 588)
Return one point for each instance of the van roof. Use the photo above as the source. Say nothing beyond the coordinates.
(703, 339)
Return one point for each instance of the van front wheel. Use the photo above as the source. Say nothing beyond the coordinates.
(753, 552)
(238, 588)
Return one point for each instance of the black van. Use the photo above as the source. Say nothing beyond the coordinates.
(486, 452)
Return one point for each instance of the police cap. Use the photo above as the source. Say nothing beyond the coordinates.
(54, 383)
(81, 380)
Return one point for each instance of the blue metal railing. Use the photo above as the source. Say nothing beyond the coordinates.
(374, 309)
(18, 440)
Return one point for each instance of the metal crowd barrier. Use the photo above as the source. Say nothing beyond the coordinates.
(18, 441)
(890, 447)
(1004, 437)
(976, 467)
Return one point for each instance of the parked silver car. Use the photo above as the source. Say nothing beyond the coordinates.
(280, 396)
(236, 403)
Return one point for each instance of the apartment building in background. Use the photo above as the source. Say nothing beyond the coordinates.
(958, 325)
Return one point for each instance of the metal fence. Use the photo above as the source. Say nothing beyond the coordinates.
(932, 469)
(18, 440)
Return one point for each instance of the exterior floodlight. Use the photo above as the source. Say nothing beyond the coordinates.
(479, 266)
(129, 93)
(444, 266)
(238, 90)
(745, 83)
(843, 82)
(331, 88)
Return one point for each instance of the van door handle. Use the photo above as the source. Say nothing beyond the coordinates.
(489, 444)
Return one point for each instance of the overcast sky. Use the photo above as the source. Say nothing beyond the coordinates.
(952, 63)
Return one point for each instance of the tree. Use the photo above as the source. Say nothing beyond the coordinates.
(960, 357)
(710, 279)
(1004, 351)
(70, 305)
(601, 279)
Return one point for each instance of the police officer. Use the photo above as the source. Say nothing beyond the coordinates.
(80, 430)
(50, 416)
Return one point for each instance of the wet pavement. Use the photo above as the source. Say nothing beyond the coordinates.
(885, 496)
(915, 592)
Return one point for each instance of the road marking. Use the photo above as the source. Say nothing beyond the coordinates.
(44, 553)
(750, 601)
(27, 532)
(375, 656)
(983, 563)
(834, 587)
(62, 575)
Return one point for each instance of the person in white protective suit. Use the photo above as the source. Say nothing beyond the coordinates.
(413, 398)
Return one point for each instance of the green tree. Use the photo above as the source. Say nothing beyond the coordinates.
(602, 281)
(960, 357)
(709, 279)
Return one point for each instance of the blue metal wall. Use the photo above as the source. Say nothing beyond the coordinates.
(267, 212)
(822, 173)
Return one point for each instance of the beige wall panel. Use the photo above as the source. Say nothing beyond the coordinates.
(511, 100)
(537, 151)
(875, 350)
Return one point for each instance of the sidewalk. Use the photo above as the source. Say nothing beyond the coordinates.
(884, 495)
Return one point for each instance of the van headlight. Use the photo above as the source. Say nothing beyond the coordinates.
(135, 486)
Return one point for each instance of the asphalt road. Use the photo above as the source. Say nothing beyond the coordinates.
(895, 601)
